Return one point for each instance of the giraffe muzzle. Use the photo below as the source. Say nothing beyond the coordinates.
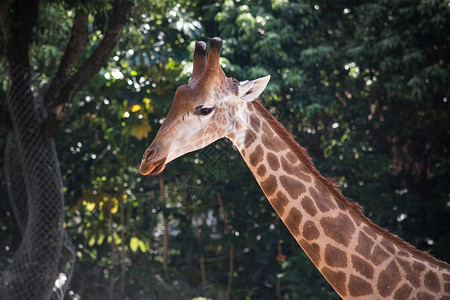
(149, 165)
(149, 154)
(152, 168)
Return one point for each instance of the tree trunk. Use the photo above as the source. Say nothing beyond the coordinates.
(42, 266)
(35, 189)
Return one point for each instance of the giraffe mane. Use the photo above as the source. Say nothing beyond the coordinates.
(334, 190)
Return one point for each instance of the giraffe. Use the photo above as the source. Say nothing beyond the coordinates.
(359, 259)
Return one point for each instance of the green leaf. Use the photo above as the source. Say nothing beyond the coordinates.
(134, 243)
(142, 246)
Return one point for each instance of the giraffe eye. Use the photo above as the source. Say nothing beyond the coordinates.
(203, 111)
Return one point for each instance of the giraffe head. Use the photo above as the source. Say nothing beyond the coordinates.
(203, 111)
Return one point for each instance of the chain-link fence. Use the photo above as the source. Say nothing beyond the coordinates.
(43, 264)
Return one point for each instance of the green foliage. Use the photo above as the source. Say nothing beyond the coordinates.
(301, 280)
(364, 86)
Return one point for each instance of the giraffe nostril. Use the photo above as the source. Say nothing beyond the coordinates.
(149, 153)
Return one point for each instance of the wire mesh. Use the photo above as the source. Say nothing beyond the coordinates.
(43, 264)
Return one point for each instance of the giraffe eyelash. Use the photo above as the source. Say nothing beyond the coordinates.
(203, 110)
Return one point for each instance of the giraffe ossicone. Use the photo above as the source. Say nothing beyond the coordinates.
(358, 258)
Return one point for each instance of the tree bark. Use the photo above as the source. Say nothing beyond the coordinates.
(39, 203)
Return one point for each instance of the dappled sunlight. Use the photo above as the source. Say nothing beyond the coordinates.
(362, 86)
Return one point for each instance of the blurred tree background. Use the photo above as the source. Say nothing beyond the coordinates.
(363, 85)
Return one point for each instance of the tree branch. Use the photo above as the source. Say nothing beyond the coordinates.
(57, 108)
(117, 22)
(78, 41)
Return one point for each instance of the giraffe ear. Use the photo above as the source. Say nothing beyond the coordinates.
(250, 90)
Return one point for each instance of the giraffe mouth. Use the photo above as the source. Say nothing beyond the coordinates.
(149, 168)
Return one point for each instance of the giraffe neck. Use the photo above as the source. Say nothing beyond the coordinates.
(358, 258)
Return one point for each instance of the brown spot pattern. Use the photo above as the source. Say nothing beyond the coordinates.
(279, 203)
(370, 232)
(308, 206)
(271, 143)
(304, 169)
(267, 129)
(312, 250)
(335, 257)
(424, 296)
(293, 187)
(418, 267)
(288, 167)
(282, 198)
(257, 156)
(310, 231)
(210, 130)
(269, 185)
(277, 206)
(272, 160)
(239, 126)
(323, 192)
(314, 193)
(362, 267)
(339, 228)
(356, 219)
(293, 221)
(411, 276)
(293, 170)
(303, 176)
(365, 245)
(359, 287)
(337, 280)
(379, 255)
(292, 157)
(403, 292)
(249, 138)
(388, 246)
(254, 122)
(324, 204)
(447, 287)
(388, 279)
(432, 282)
(261, 171)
